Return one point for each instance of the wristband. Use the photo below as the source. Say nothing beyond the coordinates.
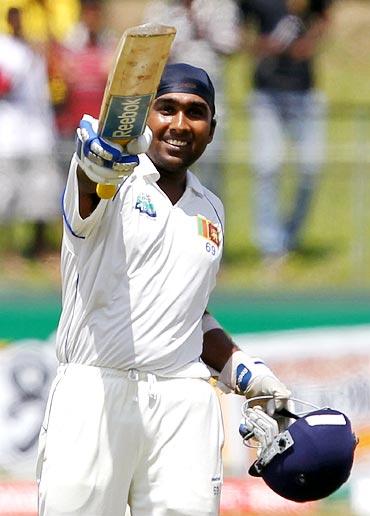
(239, 370)
(236, 373)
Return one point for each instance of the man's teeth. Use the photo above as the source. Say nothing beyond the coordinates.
(178, 143)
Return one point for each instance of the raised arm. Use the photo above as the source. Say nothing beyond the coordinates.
(100, 161)
(88, 198)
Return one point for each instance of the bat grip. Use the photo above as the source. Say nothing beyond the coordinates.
(105, 191)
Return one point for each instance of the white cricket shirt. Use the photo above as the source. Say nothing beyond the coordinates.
(137, 275)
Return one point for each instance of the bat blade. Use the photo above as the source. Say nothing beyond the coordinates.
(132, 83)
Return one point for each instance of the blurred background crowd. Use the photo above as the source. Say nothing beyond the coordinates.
(290, 158)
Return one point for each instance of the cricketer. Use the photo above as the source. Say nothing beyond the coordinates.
(132, 417)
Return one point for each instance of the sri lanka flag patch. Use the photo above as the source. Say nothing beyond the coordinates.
(208, 230)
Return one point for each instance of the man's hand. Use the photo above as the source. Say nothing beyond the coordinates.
(270, 440)
(259, 426)
(243, 374)
(105, 162)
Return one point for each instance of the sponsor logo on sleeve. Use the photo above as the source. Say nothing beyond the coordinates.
(144, 205)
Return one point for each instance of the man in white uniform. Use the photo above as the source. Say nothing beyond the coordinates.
(30, 182)
(131, 417)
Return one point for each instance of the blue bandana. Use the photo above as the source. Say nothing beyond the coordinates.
(185, 78)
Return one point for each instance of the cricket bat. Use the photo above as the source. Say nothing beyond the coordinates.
(132, 83)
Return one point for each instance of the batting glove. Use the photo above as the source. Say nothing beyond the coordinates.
(252, 378)
(258, 425)
(264, 430)
(106, 162)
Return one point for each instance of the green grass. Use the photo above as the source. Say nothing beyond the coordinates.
(335, 245)
(17, 271)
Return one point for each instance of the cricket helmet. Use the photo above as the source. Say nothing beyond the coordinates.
(307, 461)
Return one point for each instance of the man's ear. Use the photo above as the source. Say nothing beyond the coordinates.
(212, 129)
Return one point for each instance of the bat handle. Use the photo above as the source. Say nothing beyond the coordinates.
(106, 191)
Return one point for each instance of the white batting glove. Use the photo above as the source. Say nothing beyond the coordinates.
(106, 162)
(271, 441)
(141, 143)
(252, 378)
(259, 426)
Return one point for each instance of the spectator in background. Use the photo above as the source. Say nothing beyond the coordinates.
(30, 184)
(207, 31)
(79, 73)
(285, 103)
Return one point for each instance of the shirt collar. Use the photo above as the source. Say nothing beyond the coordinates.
(146, 170)
(149, 173)
(193, 182)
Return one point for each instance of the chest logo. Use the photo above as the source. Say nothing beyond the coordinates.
(208, 230)
(144, 205)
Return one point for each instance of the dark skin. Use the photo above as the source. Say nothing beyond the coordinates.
(182, 126)
(217, 348)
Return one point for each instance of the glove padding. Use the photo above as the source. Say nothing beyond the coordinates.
(264, 430)
(259, 426)
(106, 162)
(252, 378)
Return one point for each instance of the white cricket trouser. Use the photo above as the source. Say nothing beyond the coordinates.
(114, 437)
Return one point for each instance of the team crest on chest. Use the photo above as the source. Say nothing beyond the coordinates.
(144, 205)
(208, 230)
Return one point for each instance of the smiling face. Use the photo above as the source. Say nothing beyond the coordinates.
(182, 126)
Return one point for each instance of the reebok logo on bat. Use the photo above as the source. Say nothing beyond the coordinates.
(126, 116)
(130, 108)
